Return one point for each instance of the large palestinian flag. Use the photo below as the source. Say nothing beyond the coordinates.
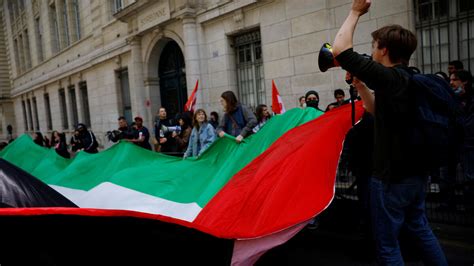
(258, 193)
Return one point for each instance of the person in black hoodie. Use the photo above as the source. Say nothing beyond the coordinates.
(87, 138)
(167, 143)
(312, 100)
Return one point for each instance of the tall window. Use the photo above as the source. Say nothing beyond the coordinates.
(27, 50)
(85, 103)
(55, 27)
(445, 32)
(21, 53)
(25, 116)
(117, 5)
(63, 108)
(39, 39)
(77, 18)
(17, 55)
(47, 106)
(11, 9)
(250, 76)
(125, 94)
(66, 24)
(72, 97)
(35, 111)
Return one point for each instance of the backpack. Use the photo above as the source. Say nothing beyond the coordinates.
(435, 134)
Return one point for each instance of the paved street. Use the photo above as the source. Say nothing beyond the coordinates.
(338, 241)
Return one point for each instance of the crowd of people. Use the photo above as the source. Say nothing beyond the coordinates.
(188, 134)
(83, 139)
(391, 180)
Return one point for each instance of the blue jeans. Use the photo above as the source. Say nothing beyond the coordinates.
(395, 205)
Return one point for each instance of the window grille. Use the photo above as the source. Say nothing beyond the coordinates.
(445, 31)
(250, 76)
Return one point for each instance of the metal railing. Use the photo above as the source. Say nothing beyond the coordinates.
(445, 203)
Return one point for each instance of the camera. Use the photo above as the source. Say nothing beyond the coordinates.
(114, 135)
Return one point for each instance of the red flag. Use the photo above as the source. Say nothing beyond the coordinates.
(276, 185)
(277, 103)
(189, 106)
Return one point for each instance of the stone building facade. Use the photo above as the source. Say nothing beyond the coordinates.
(88, 61)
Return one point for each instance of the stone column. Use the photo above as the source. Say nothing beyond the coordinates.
(79, 101)
(48, 30)
(152, 85)
(139, 96)
(191, 53)
(19, 50)
(32, 32)
(26, 49)
(69, 107)
(29, 116)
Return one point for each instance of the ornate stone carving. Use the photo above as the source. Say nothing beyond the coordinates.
(239, 18)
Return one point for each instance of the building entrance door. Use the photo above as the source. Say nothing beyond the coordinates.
(172, 79)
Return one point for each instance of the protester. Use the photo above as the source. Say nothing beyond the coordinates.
(339, 95)
(87, 138)
(61, 145)
(214, 120)
(52, 142)
(455, 66)
(141, 135)
(38, 139)
(166, 142)
(124, 131)
(467, 146)
(302, 102)
(359, 146)
(398, 187)
(182, 137)
(238, 119)
(47, 142)
(202, 135)
(75, 142)
(461, 81)
(263, 115)
(312, 100)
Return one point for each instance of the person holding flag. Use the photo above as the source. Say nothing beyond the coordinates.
(263, 115)
(238, 119)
